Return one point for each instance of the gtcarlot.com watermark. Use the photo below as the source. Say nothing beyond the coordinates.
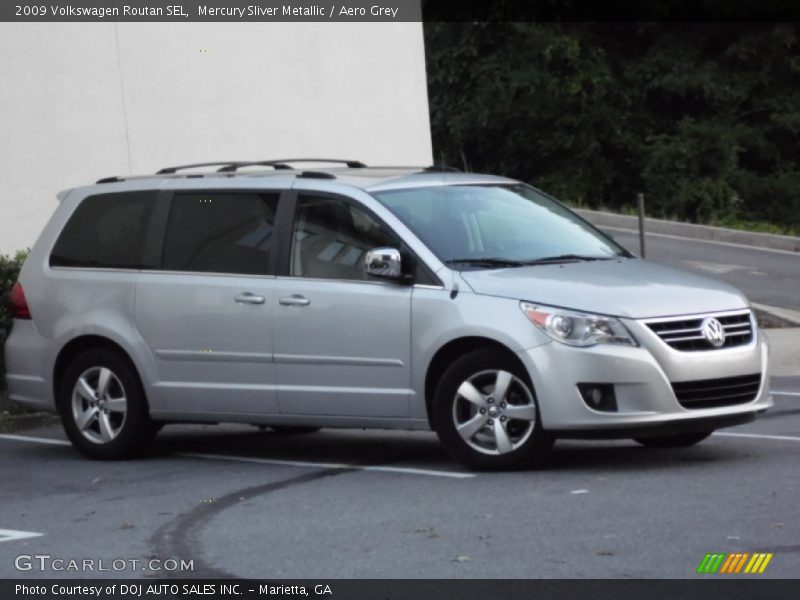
(46, 562)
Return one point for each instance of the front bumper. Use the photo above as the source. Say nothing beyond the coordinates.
(642, 377)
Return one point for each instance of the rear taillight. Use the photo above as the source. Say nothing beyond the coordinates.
(19, 305)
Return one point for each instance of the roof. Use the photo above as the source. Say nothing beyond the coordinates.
(370, 179)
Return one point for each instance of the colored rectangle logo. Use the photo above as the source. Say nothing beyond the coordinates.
(733, 563)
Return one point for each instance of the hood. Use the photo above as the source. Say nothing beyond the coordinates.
(630, 287)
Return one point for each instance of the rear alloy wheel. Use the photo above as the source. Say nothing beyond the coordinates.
(683, 440)
(99, 405)
(486, 413)
(103, 407)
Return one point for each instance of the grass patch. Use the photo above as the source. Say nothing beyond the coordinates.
(757, 226)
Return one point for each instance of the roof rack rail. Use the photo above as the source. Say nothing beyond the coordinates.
(170, 170)
(316, 175)
(441, 168)
(282, 163)
(231, 166)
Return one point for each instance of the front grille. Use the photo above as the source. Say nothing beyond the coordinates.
(685, 333)
(710, 393)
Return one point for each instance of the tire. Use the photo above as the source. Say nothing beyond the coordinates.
(682, 440)
(471, 435)
(117, 423)
(293, 429)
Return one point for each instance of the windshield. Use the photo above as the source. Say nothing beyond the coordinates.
(491, 226)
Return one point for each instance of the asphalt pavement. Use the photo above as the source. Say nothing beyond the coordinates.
(766, 276)
(352, 504)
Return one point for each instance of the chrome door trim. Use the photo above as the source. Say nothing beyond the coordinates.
(335, 281)
(209, 355)
(294, 359)
(425, 286)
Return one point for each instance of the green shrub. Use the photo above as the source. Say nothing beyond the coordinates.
(9, 272)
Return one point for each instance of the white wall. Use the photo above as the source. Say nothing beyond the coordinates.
(80, 101)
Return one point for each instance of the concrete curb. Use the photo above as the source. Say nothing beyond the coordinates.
(784, 314)
(689, 230)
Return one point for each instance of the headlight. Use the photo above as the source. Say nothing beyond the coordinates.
(577, 328)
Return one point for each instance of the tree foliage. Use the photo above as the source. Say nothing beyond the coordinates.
(702, 117)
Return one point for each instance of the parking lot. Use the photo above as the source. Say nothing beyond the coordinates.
(240, 502)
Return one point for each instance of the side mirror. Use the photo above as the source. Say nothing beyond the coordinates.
(385, 263)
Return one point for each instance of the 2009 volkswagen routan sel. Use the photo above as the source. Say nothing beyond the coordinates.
(347, 296)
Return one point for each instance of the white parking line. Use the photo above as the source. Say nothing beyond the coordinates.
(761, 436)
(9, 535)
(37, 440)
(322, 465)
(270, 461)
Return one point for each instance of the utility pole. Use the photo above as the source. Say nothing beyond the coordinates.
(640, 204)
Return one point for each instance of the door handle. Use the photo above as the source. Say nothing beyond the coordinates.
(249, 298)
(294, 300)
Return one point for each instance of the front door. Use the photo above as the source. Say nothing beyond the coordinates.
(342, 340)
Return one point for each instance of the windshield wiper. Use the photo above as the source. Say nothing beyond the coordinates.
(489, 261)
(566, 258)
(496, 262)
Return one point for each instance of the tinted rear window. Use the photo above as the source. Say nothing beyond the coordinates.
(221, 232)
(106, 231)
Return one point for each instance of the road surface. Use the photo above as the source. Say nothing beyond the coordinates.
(765, 276)
(353, 504)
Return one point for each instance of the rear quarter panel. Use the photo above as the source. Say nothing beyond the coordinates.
(67, 303)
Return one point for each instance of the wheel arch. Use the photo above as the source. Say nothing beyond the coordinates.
(81, 344)
(453, 350)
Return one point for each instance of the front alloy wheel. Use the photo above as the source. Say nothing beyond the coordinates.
(485, 412)
(494, 412)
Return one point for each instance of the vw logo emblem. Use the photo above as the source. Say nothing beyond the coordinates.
(713, 332)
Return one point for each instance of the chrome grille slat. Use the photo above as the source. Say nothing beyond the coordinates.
(685, 338)
(685, 333)
(676, 331)
(728, 331)
(734, 333)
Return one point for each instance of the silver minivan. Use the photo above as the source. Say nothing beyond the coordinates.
(344, 296)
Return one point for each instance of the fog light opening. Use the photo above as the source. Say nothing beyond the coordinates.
(599, 396)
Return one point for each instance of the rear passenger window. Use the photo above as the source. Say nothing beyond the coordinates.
(217, 232)
(106, 231)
